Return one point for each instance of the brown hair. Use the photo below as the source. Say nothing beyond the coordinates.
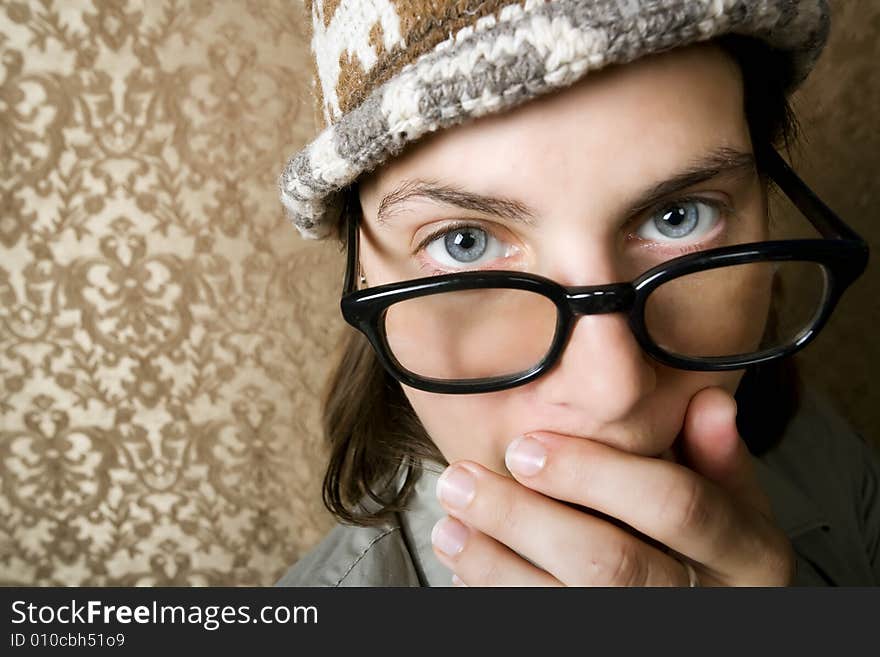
(374, 434)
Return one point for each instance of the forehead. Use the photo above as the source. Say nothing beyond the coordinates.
(636, 120)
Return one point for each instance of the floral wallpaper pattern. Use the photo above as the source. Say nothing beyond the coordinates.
(165, 334)
(161, 364)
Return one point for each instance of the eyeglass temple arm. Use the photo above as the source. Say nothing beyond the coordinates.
(353, 243)
(820, 215)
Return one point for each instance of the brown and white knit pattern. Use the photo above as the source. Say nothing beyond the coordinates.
(390, 71)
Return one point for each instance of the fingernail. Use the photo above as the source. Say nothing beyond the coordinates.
(449, 536)
(525, 456)
(456, 580)
(456, 487)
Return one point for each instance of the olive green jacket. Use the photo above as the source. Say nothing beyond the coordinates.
(823, 481)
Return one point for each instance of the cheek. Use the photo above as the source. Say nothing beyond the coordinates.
(471, 427)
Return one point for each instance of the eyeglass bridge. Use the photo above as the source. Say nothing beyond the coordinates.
(600, 299)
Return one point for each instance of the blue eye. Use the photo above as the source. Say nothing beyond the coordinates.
(455, 246)
(465, 244)
(679, 220)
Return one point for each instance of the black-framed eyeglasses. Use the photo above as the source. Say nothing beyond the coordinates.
(483, 331)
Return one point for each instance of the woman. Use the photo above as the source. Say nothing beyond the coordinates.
(570, 370)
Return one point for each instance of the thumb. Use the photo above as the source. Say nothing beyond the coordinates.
(711, 446)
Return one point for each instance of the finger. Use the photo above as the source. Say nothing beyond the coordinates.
(665, 501)
(575, 547)
(711, 445)
(482, 561)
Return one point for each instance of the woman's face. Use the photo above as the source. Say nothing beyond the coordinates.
(576, 166)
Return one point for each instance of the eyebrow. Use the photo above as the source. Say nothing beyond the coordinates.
(717, 162)
(446, 194)
(722, 160)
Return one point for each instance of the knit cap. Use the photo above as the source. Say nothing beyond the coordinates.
(387, 72)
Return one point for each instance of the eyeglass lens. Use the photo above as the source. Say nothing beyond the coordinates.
(727, 311)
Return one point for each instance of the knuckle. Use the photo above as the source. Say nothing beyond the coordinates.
(501, 516)
(489, 572)
(622, 566)
(780, 561)
(582, 474)
(688, 508)
(483, 563)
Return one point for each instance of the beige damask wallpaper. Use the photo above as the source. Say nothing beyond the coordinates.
(164, 333)
(163, 329)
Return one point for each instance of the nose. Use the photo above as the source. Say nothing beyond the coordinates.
(602, 372)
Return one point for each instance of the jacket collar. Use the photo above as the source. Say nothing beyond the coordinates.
(421, 514)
